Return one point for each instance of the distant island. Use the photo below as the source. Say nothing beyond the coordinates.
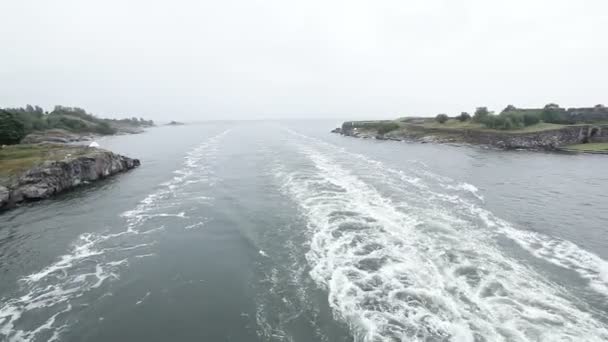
(175, 123)
(32, 124)
(37, 160)
(547, 128)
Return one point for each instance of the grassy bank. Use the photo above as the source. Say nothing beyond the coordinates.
(15, 159)
(454, 124)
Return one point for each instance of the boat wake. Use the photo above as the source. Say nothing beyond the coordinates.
(49, 301)
(414, 256)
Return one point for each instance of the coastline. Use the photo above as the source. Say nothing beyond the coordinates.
(65, 136)
(39, 171)
(543, 138)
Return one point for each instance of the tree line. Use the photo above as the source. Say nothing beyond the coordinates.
(16, 123)
(516, 118)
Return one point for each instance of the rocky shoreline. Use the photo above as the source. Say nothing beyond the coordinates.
(63, 136)
(63, 168)
(553, 139)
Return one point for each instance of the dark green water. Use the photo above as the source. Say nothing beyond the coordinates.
(280, 231)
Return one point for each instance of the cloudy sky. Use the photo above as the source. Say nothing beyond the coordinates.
(238, 59)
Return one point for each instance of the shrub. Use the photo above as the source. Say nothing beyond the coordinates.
(441, 118)
(72, 124)
(464, 116)
(555, 115)
(498, 121)
(531, 119)
(11, 129)
(481, 113)
(516, 118)
(386, 127)
(104, 128)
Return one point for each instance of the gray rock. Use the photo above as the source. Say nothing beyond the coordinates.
(539, 140)
(53, 177)
(55, 136)
(4, 196)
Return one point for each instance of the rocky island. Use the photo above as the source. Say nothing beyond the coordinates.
(175, 123)
(35, 172)
(32, 124)
(38, 158)
(548, 128)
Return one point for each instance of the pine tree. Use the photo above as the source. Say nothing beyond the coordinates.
(11, 129)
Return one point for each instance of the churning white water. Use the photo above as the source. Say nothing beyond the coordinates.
(266, 231)
(47, 295)
(425, 265)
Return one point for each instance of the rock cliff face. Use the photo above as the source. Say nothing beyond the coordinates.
(55, 176)
(540, 140)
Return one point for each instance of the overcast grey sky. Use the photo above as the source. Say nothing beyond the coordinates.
(197, 60)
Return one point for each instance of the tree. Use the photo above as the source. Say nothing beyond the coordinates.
(509, 108)
(464, 116)
(11, 129)
(481, 113)
(531, 119)
(104, 127)
(552, 113)
(441, 118)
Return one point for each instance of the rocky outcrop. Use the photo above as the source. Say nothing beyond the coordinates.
(56, 176)
(4, 196)
(175, 123)
(548, 140)
(538, 140)
(55, 136)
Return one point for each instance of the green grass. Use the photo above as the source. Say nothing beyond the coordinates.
(590, 147)
(539, 127)
(452, 124)
(15, 159)
(456, 124)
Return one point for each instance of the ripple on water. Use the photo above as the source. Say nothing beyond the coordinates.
(410, 271)
(42, 307)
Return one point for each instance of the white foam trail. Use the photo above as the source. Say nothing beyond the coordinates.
(195, 169)
(195, 225)
(556, 251)
(396, 271)
(145, 255)
(143, 298)
(466, 187)
(87, 266)
(562, 253)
